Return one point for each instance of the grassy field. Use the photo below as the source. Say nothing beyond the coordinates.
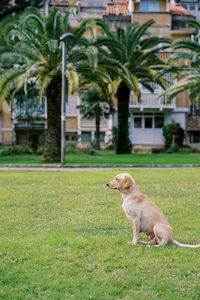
(64, 236)
(108, 158)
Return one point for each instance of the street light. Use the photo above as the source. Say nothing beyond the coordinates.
(64, 99)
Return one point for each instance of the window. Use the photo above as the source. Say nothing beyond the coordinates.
(149, 6)
(195, 137)
(192, 6)
(189, 6)
(71, 136)
(86, 137)
(102, 137)
(91, 4)
(184, 5)
(148, 122)
(159, 122)
(137, 122)
(99, 4)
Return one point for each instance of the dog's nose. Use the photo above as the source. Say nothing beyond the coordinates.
(107, 184)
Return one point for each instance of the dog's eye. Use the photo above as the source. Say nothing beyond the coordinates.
(117, 179)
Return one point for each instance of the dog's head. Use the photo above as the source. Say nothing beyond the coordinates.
(121, 182)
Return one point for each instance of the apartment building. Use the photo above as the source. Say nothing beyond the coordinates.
(147, 117)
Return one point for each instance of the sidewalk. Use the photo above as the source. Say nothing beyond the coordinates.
(23, 167)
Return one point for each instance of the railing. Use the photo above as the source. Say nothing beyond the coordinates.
(91, 123)
(29, 109)
(151, 101)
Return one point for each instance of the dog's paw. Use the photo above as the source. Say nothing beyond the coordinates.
(130, 242)
(133, 242)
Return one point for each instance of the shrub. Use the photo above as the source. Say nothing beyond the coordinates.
(40, 150)
(34, 141)
(189, 150)
(174, 135)
(89, 150)
(173, 148)
(71, 148)
(16, 149)
(155, 150)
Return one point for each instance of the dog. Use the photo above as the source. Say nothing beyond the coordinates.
(145, 216)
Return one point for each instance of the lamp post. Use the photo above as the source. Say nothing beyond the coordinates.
(64, 99)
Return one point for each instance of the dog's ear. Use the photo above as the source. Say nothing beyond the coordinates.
(127, 182)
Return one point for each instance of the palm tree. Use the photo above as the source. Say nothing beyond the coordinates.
(131, 60)
(95, 106)
(30, 48)
(186, 63)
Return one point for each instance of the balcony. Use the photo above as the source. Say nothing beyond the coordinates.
(29, 110)
(151, 101)
(85, 123)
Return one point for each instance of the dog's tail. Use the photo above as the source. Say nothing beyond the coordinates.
(186, 245)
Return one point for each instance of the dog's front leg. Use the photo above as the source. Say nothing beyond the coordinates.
(136, 230)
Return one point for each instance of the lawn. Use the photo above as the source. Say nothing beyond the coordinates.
(64, 236)
(108, 157)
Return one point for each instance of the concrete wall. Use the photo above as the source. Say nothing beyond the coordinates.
(162, 19)
(71, 124)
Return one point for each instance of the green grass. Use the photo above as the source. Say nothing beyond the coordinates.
(108, 158)
(64, 235)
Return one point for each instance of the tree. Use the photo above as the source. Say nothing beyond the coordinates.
(131, 60)
(95, 106)
(174, 135)
(30, 48)
(6, 8)
(187, 62)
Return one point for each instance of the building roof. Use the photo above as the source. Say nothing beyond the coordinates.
(117, 9)
(122, 2)
(179, 10)
(62, 2)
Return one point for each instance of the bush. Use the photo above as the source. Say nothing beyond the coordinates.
(40, 150)
(34, 141)
(173, 148)
(89, 150)
(16, 149)
(155, 150)
(71, 148)
(189, 150)
(174, 136)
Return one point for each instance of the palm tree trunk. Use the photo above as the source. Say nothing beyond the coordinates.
(52, 147)
(97, 133)
(123, 143)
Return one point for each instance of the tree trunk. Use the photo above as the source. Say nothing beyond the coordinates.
(123, 143)
(52, 147)
(97, 133)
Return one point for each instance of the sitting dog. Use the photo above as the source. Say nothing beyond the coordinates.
(145, 216)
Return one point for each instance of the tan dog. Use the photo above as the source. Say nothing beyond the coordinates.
(145, 216)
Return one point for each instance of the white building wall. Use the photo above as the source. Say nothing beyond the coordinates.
(144, 136)
(179, 116)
